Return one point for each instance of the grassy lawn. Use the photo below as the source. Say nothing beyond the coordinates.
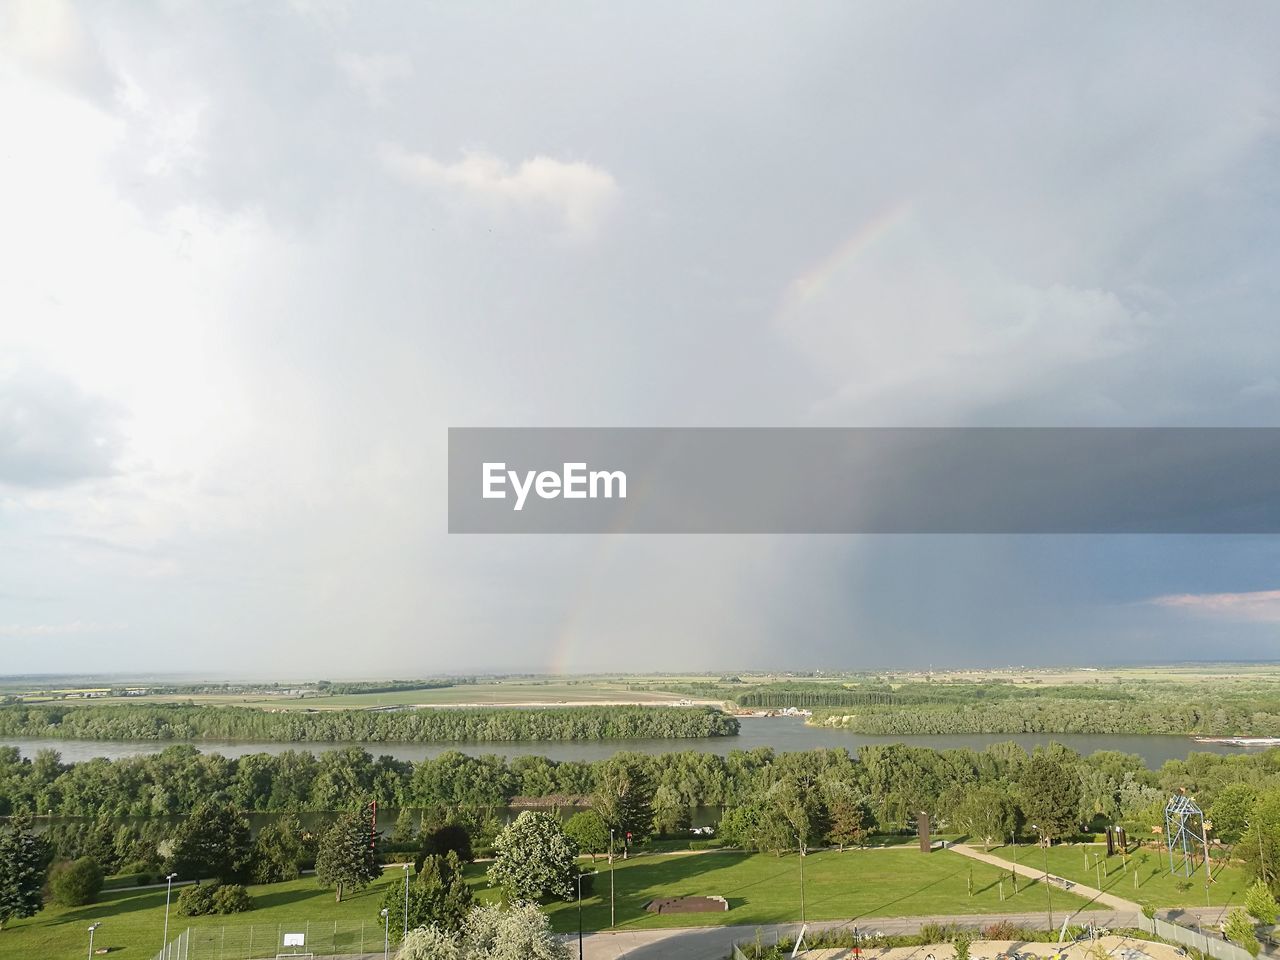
(1154, 884)
(761, 889)
(133, 924)
(764, 889)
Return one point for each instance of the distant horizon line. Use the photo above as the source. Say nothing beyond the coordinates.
(656, 674)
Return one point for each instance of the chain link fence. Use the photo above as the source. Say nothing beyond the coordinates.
(262, 941)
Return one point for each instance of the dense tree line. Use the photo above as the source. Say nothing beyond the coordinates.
(188, 722)
(1210, 717)
(185, 811)
(894, 780)
(349, 687)
(777, 696)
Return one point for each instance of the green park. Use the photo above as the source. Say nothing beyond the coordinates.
(761, 888)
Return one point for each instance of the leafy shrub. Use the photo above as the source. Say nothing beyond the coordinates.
(76, 884)
(213, 898)
(196, 901)
(938, 933)
(1002, 930)
(231, 898)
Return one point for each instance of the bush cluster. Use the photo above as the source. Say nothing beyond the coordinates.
(208, 899)
(75, 884)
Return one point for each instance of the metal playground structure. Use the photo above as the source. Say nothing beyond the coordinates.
(1185, 830)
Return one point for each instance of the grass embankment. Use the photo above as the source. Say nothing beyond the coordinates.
(762, 889)
(1155, 884)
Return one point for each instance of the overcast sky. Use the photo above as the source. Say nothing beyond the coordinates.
(255, 258)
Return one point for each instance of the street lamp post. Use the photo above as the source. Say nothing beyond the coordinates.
(386, 933)
(802, 920)
(164, 945)
(406, 898)
(580, 876)
(612, 919)
(1013, 842)
(92, 927)
(1047, 892)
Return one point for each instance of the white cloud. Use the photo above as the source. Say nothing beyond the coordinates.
(579, 194)
(1259, 606)
(373, 73)
(73, 628)
(48, 39)
(907, 329)
(52, 433)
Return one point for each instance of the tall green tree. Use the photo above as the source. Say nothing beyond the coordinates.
(439, 895)
(1261, 903)
(1050, 791)
(985, 812)
(1230, 811)
(624, 796)
(670, 814)
(439, 841)
(1259, 846)
(280, 850)
(24, 863)
(213, 842)
(534, 859)
(849, 816)
(346, 856)
(798, 812)
(588, 832)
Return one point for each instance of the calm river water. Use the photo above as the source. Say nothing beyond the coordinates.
(781, 733)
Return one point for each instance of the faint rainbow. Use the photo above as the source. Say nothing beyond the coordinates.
(818, 277)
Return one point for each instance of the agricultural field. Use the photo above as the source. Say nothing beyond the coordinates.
(539, 691)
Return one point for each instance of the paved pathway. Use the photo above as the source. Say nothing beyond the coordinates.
(714, 943)
(1091, 894)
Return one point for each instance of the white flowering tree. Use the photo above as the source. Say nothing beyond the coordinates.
(522, 932)
(534, 859)
(429, 943)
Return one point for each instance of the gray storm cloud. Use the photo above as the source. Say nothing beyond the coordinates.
(260, 287)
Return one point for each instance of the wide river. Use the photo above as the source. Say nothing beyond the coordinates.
(781, 733)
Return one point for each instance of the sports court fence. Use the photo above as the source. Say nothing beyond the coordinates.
(263, 941)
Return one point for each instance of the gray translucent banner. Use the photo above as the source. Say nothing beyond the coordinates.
(834, 480)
